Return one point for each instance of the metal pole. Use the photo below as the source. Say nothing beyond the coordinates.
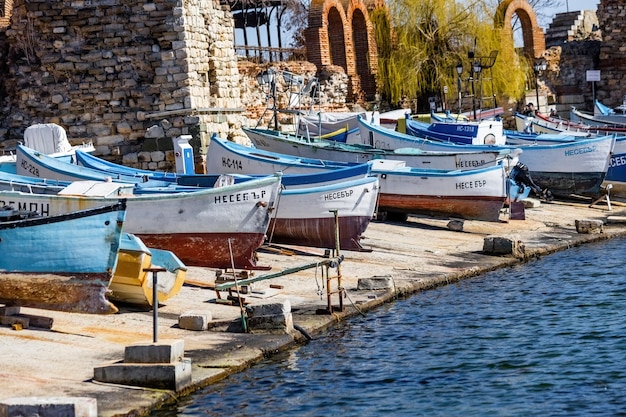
(473, 94)
(155, 301)
(537, 88)
(459, 86)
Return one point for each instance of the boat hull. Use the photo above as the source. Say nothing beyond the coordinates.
(63, 262)
(576, 163)
(320, 232)
(132, 284)
(306, 216)
(479, 194)
(472, 208)
(328, 153)
(202, 249)
(196, 225)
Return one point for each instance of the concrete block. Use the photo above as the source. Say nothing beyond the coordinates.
(49, 407)
(170, 351)
(280, 323)
(504, 245)
(270, 317)
(194, 321)
(269, 309)
(616, 219)
(375, 283)
(172, 376)
(587, 226)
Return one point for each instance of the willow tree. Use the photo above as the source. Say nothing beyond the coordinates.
(421, 42)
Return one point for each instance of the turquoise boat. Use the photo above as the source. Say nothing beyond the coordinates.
(63, 262)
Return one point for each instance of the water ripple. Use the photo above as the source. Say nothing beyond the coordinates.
(546, 338)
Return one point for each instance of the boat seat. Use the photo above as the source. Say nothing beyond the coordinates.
(47, 138)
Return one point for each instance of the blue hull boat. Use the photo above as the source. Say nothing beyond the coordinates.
(63, 262)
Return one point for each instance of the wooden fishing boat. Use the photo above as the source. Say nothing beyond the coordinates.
(325, 123)
(231, 156)
(303, 215)
(567, 126)
(303, 218)
(306, 215)
(578, 116)
(132, 284)
(63, 261)
(213, 227)
(477, 194)
(573, 168)
(36, 164)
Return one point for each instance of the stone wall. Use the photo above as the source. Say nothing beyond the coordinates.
(110, 71)
(131, 77)
(612, 61)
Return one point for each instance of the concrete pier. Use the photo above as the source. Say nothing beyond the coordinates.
(417, 255)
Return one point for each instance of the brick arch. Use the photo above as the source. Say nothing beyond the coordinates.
(364, 49)
(534, 38)
(345, 39)
(336, 28)
(322, 15)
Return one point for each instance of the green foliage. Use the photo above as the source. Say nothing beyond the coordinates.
(420, 43)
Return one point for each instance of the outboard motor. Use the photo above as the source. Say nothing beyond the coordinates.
(521, 176)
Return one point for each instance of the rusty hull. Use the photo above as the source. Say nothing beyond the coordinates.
(77, 293)
(211, 250)
(320, 232)
(471, 208)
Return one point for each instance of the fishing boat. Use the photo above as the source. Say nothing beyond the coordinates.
(309, 216)
(47, 138)
(566, 169)
(324, 123)
(543, 125)
(132, 284)
(63, 261)
(276, 143)
(36, 164)
(567, 126)
(477, 194)
(305, 200)
(578, 116)
(213, 227)
(483, 132)
(304, 213)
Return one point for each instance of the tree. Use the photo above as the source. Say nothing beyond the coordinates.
(426, 39)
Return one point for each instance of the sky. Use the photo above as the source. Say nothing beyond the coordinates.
(574, 5)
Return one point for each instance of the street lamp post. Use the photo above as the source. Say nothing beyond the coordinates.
(477, 70)
(268, 77)
(459, 71)
(538, 68)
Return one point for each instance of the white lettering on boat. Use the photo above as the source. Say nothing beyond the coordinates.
(617, 161)
(462, 128)
(232, 163)
(337, 195)
(580, 151)
(470, 164)
(239, 197)
(466, 185)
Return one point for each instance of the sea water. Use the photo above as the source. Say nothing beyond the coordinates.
(546, 338)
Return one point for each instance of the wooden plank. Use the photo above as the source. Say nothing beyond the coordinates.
(11, 320)
(42, 322)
